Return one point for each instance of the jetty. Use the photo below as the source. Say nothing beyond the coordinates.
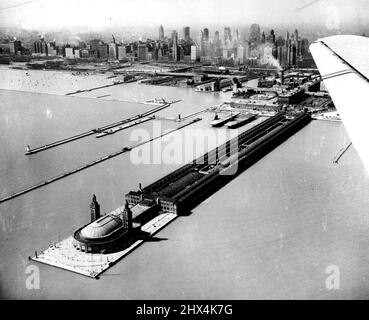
(341, 152)
(96, 130)
(116, 129)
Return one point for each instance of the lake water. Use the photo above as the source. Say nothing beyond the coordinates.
(271, 233)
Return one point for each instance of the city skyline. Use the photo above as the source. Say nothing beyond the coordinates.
(40, 14)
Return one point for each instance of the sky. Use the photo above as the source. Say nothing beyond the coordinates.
(97, 14)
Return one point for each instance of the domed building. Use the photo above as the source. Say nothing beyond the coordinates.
(108, 233)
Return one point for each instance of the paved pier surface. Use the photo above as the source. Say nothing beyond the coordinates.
(63, 254)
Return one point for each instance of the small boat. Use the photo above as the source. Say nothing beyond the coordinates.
(241, 121)
(328, 116)
(219, 122)
(156, 101)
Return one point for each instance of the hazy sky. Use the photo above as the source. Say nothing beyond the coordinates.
(49, 14)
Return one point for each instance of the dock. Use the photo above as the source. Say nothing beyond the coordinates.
(95, 162)
(99, 87)
(341, 152)
(96, 130)
(129, 125)
(220, 122)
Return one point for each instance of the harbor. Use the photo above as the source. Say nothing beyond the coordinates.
(91, 252)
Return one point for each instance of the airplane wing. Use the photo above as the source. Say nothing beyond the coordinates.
(343, 62)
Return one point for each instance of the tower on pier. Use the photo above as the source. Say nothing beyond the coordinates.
(95, 209)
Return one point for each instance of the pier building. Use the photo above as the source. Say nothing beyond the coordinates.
(108, 233)
(116, 230)
(181, 190)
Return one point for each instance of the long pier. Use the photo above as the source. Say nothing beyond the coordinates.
(116, 129)
(96, 88)
(97, 130)
(341, 152)
(180, 119)
(90, 164)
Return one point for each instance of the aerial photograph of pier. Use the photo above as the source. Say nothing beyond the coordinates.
(187, 150)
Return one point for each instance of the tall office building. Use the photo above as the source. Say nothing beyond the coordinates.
(195, 53)
(236, 36)
(216, 37)
(240, 54)
(69, 53)
(102, 51)
(205, 35)
(161, 33)
(51, 49)
(255, 33)
(272, 36)
(40, 47)
(287, 49)
(227, 35)
(15, 46)
(113, 51)
(296, 36)
(122, 52)
(175, 51)
(263, 38)
(142, 52)
(186, 33)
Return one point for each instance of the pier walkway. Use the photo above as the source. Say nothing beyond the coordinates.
(97, 130)
(341, 152)
(100, 87)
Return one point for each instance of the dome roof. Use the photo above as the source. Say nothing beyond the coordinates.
(102, 227)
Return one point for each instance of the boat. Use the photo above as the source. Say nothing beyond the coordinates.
(327, 116)
(156, 101)
(241, 121)
(219, 122)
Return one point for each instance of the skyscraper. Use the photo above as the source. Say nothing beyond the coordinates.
(175, 45)
(161, 33)
(142, 52)
(272, 36)
(216, 37)
(227, 34)
(255, 33)
(288, 49)
(186, 33)
(206, 35)
(296, 36)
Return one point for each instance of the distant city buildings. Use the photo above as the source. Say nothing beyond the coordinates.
(254, 48)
